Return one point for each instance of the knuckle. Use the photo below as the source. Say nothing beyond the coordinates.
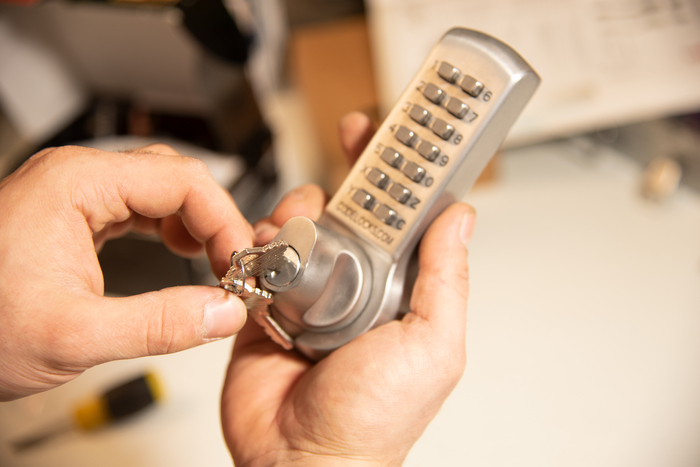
(52, 157)
(160, 148)
(162, 335)
(196, 166)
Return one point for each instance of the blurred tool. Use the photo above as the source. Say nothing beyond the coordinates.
(113, 405)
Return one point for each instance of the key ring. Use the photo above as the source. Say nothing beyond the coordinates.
(236, 286)
(241, 264)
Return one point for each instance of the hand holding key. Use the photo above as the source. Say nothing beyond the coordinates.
(369, 401)
(56, 211)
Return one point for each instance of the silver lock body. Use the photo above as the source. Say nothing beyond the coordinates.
(352, 270)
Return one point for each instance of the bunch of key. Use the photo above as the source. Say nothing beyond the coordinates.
(246, 266)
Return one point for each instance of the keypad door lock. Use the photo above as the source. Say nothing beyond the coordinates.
(347, 273)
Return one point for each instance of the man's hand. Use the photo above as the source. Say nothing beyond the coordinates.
(369, 401)
(55, 213)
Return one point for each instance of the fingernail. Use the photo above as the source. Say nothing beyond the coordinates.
(223, 316)
(467, 228)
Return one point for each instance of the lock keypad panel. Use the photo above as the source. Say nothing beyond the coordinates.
(434, 141)
(442, 126)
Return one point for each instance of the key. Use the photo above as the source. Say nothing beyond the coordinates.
(257, 302)
(250, 263)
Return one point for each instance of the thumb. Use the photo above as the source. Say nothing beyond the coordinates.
(442, 287)
(161, 322)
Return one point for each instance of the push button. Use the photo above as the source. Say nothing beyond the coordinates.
(376, 177)
(413, 171)
(406, 136)
(443, 129)
(434, 93)
(448, 72)
(391, 157)
(419, 114)
(399, 192)
(471, 86)
(457, 108)
(363, 199)
(428, 151)
(385, 214)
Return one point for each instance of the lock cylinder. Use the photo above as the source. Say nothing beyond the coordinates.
(322, 284)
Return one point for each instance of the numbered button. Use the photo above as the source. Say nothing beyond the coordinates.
(471, 86)
(419, 114)
(457, 108)
(363, 199)
(385, 214)
(376, 177)
(428, 150)
(434, 93)
(443, 129)
(391, 157)
(413, 171)
(448, 72)
(406, 136)
(399, 192)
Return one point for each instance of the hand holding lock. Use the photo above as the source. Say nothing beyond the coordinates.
(368, 401)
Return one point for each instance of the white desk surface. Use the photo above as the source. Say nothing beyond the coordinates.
(583, 339)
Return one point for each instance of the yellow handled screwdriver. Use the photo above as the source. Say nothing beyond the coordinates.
(115, 404)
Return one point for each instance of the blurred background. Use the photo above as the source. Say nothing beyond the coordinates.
(584, 319)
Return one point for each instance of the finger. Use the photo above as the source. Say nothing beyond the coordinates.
(156, 323)
(253, 334)
(177, 238)
(442, 286)
(158, 186)
(145, 225)
(171, 229)
(136, 223)
(265, 231)
(307, 200)
(356, 130)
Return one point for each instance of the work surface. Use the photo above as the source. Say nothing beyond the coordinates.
(583, 339)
